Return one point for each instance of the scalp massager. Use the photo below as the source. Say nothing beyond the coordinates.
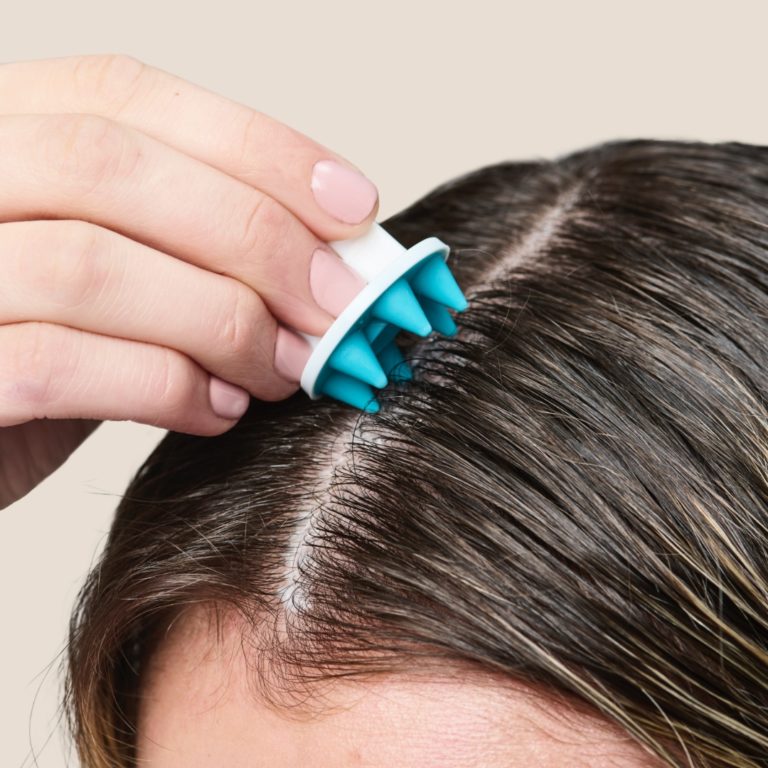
(407, 289)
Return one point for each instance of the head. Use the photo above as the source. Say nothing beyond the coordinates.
(549, 548)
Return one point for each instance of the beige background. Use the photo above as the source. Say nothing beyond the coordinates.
(412, 93)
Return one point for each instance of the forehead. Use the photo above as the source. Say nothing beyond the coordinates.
(199, 709)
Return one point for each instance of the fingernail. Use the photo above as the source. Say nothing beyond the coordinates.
(343, 193)
(332, 282)
(227, 400)
(291, 354)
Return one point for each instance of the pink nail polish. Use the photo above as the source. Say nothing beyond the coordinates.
(332, 282)
(291, 354)
(227, 400)
(343, 193)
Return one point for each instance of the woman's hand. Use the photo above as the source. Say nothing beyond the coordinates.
(155, 238)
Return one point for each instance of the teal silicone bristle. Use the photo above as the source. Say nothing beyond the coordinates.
(435, 281)
(406, 290)
(375, 328)
(355, 357)
(438, 316)
(398, 305)
(393, 362)
(351, 391)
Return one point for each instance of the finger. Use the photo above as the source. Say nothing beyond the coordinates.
(334, 199)
(84, 276)
(53, 372)
(86, 167)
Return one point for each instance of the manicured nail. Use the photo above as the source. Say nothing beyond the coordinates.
(291, 354)
(343, 193)
(227, 400)
(332, 282)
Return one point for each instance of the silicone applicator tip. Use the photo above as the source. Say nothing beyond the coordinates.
(355, 357)
(435, 281)
(351, 391)
(398, 305)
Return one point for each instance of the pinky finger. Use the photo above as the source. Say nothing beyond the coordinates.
(51, 371)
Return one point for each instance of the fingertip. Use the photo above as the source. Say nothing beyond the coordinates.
(227, 401)
(291, 355)
(360, 229)
(275, 396)
(345, 194)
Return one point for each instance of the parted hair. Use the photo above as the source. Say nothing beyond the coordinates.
(573, 490)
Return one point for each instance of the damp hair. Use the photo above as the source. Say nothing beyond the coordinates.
(571, 492)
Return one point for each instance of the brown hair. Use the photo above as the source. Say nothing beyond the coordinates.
(571, 492)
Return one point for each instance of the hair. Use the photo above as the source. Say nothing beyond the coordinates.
(570, 492)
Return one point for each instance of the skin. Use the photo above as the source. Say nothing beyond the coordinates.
(199, 709)
(154, 238)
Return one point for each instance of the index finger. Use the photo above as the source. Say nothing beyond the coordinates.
(322, 189)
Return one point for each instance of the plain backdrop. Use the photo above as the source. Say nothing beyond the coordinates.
(414, 93)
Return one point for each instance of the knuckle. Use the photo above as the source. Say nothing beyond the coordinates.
(239, 327)
(78, 267)
(87, 151)
(264, 221)
(251, 139)
(109, 80)
(37, 358)
(172, 385)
